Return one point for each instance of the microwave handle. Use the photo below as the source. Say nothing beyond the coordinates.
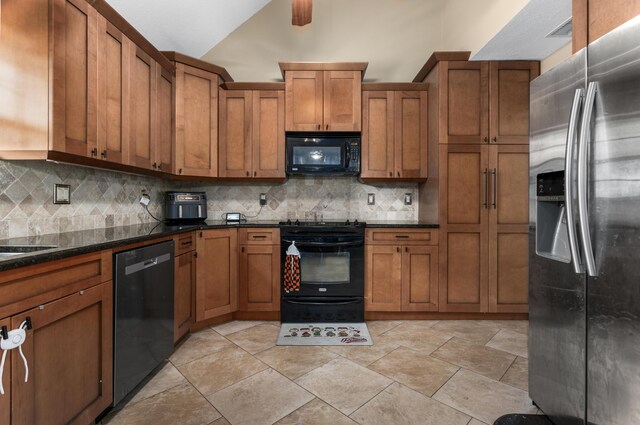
(347, 156)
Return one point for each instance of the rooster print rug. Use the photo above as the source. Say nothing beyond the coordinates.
(324, 334)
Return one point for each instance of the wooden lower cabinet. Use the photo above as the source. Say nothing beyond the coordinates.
(383, 278)
(485, 213)
(5, 399)
(401, 277)
(420, 278)
(259, 278)
(70, 356)
(216, 273)
(184, 314)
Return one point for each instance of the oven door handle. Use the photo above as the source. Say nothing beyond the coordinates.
(329, 301)
(328, 244)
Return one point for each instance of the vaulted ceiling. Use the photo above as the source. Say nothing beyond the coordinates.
(250, 37)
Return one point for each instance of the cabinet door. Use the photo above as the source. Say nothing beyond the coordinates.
(382, 280)
(508, 229)
(184, 294)
(377, 134)
(216, 273)
(509, 107)
(70, 358)
(165, 123)
(143, 109)
(196, 122)
(464, 201)
(465, 98)
(75, 85)
(268, 133)
(342, 100)
(5, 399)
(259, 278)
(410, 131)
(303, 93)
(420, 278)
(113, 93)
(235, 133)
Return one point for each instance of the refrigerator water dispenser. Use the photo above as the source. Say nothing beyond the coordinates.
(552, 239)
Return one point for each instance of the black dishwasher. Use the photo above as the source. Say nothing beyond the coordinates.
(143, 313)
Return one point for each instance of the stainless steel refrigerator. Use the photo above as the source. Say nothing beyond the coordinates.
(584, 262)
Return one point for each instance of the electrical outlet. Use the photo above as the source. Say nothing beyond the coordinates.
(263, 199)
(408, 199)
(371, 199)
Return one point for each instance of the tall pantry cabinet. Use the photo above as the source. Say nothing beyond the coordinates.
(482, 133)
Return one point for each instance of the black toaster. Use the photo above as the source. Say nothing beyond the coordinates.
(185, 206)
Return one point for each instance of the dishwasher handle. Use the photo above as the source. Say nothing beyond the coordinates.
(142, 265)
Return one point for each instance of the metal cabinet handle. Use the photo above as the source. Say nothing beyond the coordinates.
(248, 174)
(390, 173)
(327, 127)
(159, 166)
(572, 134)
(155, 165)
(255, 174)
(398, 173)
(485, 139)
(402, 236)
(406, 249)
(495, 139)
(104, 154)
(486, 188)
(318, 126)
(583, 150)
(94, 152)
(495, 188)
(397, 249)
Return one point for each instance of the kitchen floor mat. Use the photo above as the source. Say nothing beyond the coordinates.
(324, 334)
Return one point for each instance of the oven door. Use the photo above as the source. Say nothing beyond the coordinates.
(330, 265)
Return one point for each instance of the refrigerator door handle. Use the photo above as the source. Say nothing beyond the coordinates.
(572, 135)
(583, 157)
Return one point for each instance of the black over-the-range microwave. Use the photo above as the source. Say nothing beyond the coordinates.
(323, 153)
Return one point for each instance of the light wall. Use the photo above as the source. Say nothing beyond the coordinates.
(396, 37)
(556, 57)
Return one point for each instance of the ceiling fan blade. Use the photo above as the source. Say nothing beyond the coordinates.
(301, 12)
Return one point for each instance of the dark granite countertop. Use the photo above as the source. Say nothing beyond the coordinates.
(69, 244)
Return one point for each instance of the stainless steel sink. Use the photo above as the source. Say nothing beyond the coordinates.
(8, 251)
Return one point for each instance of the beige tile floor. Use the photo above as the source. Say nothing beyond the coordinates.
(417, 372)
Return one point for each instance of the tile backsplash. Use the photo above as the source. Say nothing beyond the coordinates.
(101, 198)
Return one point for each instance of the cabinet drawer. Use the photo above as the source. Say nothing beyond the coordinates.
(25, 287)
(185, 243)
(402, 236)
(259, 236)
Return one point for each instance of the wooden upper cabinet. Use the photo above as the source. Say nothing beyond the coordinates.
(410, 134)
(165, 122)
(113, 94)
(342, 100)
(75, 85)
(394, 134)
(377, 134)
(304, 100)
(465, 98)
(251, 131)
(594, 18)
(509, 107)
(143, 109)
(235, 133)
(268, 133)
(196, 121)
(70, 356)
(323, 96)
